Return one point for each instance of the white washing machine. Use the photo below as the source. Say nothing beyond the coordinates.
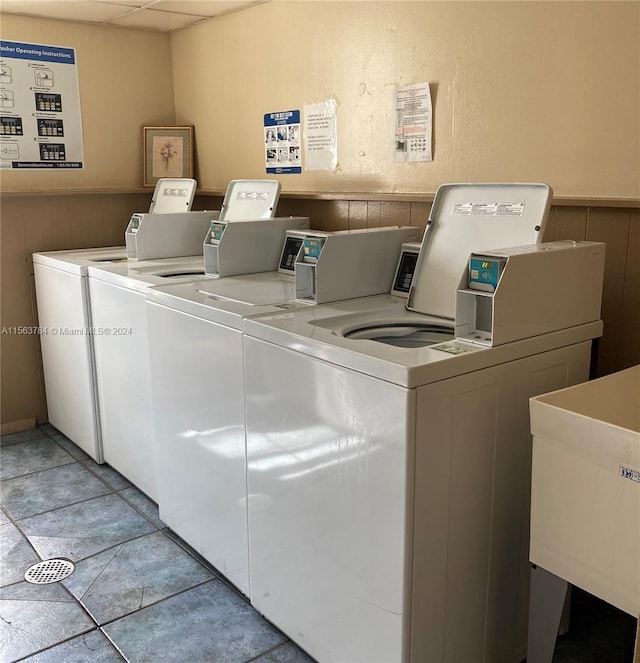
(198, 391)
(388, 480)
(64, 318)
(117, 294)
(68, 360)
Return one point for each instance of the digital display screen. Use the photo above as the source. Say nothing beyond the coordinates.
(216, 231)
(135, 223)
(290, 253)
(312, 248)
(405, 272)
(484, 273)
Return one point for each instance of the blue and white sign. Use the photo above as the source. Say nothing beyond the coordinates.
(282, 142)
(40, 119)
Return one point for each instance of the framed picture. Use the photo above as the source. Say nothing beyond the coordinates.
(167, 152)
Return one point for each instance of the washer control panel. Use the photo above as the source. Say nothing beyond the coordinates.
(406, 269)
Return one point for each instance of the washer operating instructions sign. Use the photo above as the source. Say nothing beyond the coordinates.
(40, 120)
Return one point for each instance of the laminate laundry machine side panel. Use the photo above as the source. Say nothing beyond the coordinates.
(124, 384)
(67, 356)
(329, 502)
(198, 412)
(471, 514)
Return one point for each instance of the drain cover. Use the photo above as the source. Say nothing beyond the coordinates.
(51, 570)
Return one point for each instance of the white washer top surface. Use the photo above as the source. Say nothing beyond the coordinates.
(316, 331)
(140, 275)
(76, 261)
(230, 299)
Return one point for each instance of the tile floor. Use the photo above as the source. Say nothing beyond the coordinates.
(140, 594)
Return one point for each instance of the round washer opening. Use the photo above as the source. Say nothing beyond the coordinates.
(402, 335)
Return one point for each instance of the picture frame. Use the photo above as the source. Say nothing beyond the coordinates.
(167, 152)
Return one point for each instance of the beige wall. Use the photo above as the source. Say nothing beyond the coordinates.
(529, 91)
(125, 82)
(523, 91)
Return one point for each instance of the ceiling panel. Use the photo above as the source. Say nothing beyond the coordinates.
(202, 7)
(72, 10)
(156, 20)
(160, 15)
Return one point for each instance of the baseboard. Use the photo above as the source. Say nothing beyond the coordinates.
(17, 426)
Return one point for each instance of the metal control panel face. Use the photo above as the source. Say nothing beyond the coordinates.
(290, 253)
(405, 271)
(312, 247)
(134, 223)
(484, 272)
(215, 232)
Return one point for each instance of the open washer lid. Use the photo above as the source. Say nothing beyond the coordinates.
(248, 200)
(468, 218)
(173, 194)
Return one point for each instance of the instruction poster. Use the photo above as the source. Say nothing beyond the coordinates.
(320, 136)
(412, 125)
(282, 142)
(40, 120)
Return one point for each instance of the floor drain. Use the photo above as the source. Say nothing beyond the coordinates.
(51, 570)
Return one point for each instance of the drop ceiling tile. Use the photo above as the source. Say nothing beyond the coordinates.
(72, 10)
(162, 15)
(148, 19)
(202, 7)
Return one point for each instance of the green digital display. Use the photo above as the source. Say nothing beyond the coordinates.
(484, 273)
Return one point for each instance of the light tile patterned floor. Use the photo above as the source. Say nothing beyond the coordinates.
(138, 592)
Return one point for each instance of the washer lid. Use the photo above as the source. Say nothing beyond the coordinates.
(77, 261)
(468, 218)
(228, 300)
(173, 194)
(248, 200)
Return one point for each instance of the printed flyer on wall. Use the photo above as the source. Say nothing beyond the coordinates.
(40, 120)
(412, 123)
(320, 136)
(282, 142)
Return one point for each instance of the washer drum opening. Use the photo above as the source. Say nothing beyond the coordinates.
(409, 335)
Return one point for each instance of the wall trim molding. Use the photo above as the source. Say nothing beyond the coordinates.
(565, 201)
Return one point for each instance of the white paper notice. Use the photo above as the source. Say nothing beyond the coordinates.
(320, 136)
(412, 124)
